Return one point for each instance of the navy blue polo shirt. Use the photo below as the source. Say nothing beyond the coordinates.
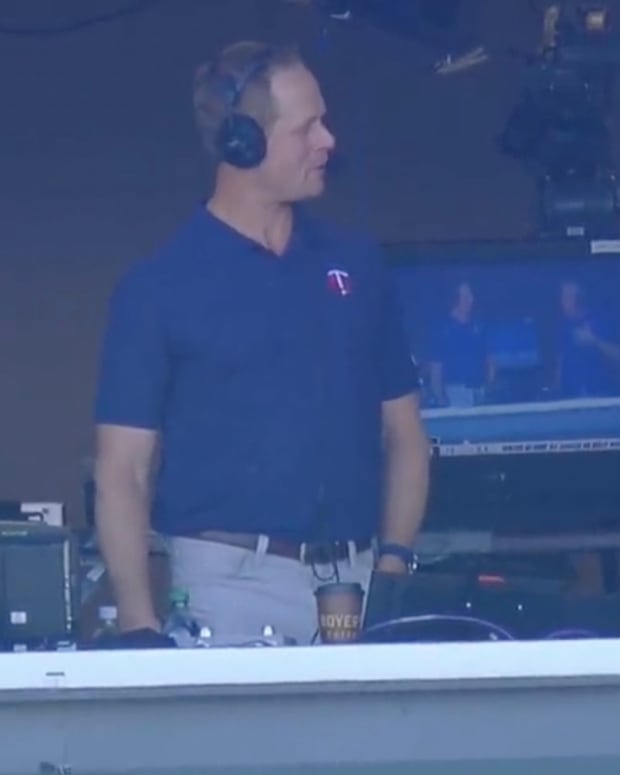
(264, 376)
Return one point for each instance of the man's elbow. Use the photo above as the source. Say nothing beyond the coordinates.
(111, 476)
(403, 428)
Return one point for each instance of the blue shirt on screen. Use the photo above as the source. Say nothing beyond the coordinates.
(264, 376)
(584, 370)
(461, 349)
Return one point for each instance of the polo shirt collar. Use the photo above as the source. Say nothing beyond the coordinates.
(305, 231)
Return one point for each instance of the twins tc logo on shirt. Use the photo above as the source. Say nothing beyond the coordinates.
(339, 282)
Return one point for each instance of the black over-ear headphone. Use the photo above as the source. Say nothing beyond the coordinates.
(240, 140)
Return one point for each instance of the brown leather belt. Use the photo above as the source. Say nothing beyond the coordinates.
(310, 553)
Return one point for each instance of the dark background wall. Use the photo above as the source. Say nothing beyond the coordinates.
(99, 161)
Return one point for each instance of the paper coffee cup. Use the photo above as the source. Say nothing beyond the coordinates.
(339, 607)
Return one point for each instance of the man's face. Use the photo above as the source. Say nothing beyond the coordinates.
(298, 143)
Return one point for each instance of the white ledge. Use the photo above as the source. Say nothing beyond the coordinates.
(363, 665)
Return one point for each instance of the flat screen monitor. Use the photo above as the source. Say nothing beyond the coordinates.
(518, 346)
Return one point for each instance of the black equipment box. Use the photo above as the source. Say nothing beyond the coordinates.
(517, 487)
(38, 585)
(458, 606)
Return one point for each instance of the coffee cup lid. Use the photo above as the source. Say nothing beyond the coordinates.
(339, 588)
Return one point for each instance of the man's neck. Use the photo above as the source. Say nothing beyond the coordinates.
(243, 209)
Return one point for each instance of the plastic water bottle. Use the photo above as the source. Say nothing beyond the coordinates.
(205, 637)
(108, 622)
(180, 626)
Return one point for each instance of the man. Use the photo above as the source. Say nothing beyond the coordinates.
(588, 358)
(260, 358)
(461, 366)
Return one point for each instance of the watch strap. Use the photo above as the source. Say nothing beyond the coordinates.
(398, 550)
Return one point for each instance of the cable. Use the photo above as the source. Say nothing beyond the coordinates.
(128, 9)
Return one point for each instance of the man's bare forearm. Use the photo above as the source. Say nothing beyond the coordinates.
(122, 516)
(609, 349)
(406, 490)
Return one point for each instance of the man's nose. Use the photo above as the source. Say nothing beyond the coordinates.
(327, 139)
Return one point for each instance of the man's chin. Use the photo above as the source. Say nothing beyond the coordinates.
(306, 196)
(316, 189)
(310, 191)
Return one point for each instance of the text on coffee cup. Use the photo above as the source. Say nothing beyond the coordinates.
(340, 621)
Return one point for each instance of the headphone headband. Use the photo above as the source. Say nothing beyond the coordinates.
(234, 87)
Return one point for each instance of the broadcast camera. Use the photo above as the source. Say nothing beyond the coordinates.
(561, 126)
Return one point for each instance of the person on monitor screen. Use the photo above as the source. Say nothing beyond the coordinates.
(588, 360)
(260, 359)
(460, 363)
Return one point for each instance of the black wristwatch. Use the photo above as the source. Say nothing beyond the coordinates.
(402, 552)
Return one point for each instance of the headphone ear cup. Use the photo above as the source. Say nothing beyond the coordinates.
(241, 141)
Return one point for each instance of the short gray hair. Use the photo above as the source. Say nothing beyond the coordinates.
(235, 61)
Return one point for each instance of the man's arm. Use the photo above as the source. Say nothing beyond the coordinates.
(123, 466)
(589, 336)
(129, 406)
(406, 465)
(609, 349)
(405, 446)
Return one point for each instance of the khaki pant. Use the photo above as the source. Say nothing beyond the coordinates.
(237, 592)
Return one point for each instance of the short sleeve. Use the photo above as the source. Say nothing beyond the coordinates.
(399, 370)
(133, 369)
